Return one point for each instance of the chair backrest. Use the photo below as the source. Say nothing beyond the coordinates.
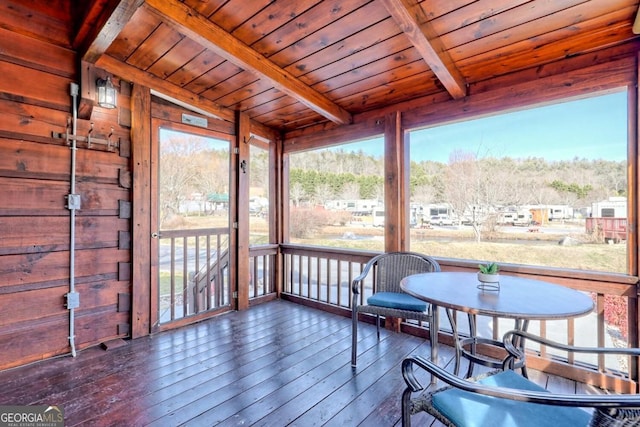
(390, 268)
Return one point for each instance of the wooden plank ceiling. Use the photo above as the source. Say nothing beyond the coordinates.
(292, 63)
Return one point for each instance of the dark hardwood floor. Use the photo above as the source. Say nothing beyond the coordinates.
(276, 364)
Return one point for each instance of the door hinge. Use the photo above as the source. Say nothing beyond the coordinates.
(234, 225)
(235, 294)
(236, 150)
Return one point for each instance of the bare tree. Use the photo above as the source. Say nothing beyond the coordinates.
(177, 179)
(191, 165)
(296, 193)
(464, 186)
(212, 168)
(350, 191)
(423, 194)
(323, 194)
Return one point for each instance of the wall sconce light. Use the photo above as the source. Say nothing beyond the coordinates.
(107, 94)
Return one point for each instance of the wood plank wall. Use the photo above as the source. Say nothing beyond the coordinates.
(35, 170)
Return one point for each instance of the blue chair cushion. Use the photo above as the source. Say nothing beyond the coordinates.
(471, 409)
(397, 300)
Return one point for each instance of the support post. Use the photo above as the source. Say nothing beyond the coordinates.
(242, 174)
(141, 239)
(396, 172)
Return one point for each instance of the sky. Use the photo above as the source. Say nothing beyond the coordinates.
(591, 128)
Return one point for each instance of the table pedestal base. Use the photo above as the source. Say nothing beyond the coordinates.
(468, 347)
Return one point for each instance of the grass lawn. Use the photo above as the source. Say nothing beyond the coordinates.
(542, 249)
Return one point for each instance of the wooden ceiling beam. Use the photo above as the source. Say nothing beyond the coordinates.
(101, 25)
(134, 74)
(415, 24)
(189, 22)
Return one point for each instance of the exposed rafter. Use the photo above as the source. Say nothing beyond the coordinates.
(197, 27)
(101, 25)
(414, 23)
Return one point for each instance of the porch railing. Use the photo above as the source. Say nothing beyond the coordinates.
(194, 272)
(196, 266)
(262, 265)
(322, 277)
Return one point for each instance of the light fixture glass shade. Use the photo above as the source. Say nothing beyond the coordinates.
(107, 94)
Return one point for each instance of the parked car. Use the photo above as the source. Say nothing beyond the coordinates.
(441, 220)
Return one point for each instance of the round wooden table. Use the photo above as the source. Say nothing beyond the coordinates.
(518, 298)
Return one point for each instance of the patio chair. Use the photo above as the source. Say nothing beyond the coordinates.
(389, 300)
(504, 398)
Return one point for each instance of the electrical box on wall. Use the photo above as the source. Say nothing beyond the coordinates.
(73, 300)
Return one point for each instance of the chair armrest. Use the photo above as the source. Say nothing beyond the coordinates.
(576, 400)
(355, 284)
(516, 353)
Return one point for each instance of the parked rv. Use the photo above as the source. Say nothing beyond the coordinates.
(524, 218)
(560, 212)
(613, 207)
(378, 217)
(507, 218)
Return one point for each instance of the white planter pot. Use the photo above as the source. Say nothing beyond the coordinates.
(488, 278)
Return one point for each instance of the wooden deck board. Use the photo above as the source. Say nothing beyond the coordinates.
(277, 363)
(271, 364)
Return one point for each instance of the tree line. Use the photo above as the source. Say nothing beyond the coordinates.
(190, 165)
(466, 180)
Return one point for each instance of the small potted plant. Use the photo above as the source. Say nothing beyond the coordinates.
(489, 273)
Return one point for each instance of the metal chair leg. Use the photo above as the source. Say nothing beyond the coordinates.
(434, 328)
(354, 337)
(406, 407)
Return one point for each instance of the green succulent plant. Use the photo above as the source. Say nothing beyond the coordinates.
(490, 268)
